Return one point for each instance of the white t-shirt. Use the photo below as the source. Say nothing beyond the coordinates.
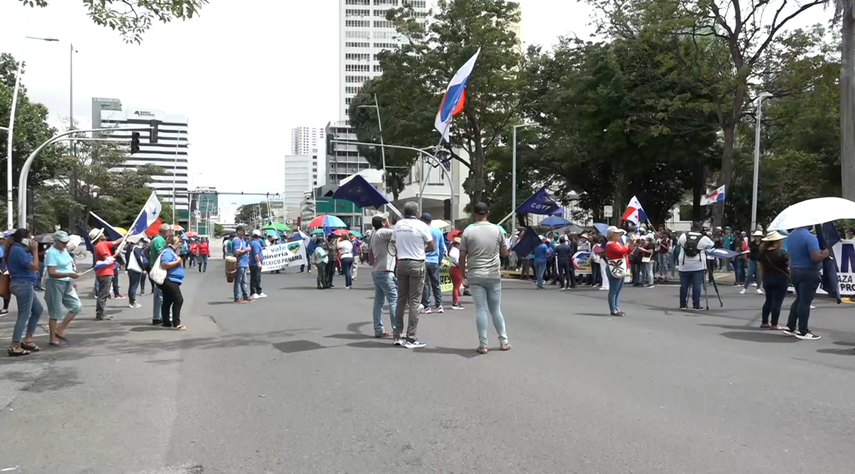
(699, 261)
(411, 236)
(454, 256)
(345, 249)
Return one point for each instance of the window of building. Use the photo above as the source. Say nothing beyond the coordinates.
(357, 2)
(378, 69)
(357, 56)
(357, 34)
(357, 67)
(350, 44)
(385, 45)
(350, 12)
(393, 3)
(356, 79)
(414, 3)
(357, 23)
(385, 35)
(383, 24)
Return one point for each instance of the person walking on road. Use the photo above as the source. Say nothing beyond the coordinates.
(256, 259)
(753, 257)
(805, 263)
(3, 269)
(194, 252)
(692, 265)
(774, 268)
(483, 244)
(321, 259)
(105, 269)
(173, 300)
(616, 254)
(22, 260)
(455, 273)
(241, 252)
(135, 266)
(185, 252)
(60, 296)
(204, 253)
(413, 239)
(541, 256)
(158, 243)
(433, 261)
(345, 253)
(332, 255)
(566, 274)
(383, 274)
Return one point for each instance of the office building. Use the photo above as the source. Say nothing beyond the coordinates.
(343, 159)
(169, 153)
(298, 180)
(363, 33)
(310, 141)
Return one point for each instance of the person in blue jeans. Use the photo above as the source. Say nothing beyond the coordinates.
(383, 274)
(541, 256)
(616, 254)
(433, 261)
(241, 250)
(774, 268)
(22, 261)
(692, 265)
(805, 262)
(753, 265)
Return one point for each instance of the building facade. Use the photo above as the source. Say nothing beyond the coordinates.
(363, 33)
(170, 153)
(299, 179)
(343, 159)
(311, 141)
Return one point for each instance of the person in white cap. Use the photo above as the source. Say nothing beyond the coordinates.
(256, 258)
(753, 270)
(60, 296)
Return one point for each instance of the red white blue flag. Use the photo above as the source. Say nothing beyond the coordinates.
(634, 212)
(455, 97)
(716, 196)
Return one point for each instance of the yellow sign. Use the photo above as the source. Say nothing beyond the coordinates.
(445, 280)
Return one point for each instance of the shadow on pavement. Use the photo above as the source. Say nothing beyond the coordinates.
(758, 336)
(595, 315)
(295, 288)
(51, 380)
(843, 352)
(352, 337)
(738, 327)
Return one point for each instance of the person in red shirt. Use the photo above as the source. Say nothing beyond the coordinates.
(204, 252)
(194, 252)
(105, 264)
(616, 253)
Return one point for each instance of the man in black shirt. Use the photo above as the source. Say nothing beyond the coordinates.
(564, 253)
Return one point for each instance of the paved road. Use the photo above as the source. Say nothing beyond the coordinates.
(296, 383)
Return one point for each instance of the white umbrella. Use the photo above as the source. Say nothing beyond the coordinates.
(813, 212)
(439, 224)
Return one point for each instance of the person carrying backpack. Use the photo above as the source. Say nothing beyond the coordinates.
(692, 264)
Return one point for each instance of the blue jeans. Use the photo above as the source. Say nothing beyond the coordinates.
(385, 289)
(241, 290)
(488, 297)
(776, 286)
(805, 281)
(29, 309)
(539, 268)
(615, 286)
(696, 279)
(203, 263)
(133, 284)
(753, 274)
(739, 269)
(347, 269)
(432, 283)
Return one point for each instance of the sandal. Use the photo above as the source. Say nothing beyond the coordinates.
(58, 344)
(61, 338)
(30, 347)
(505, 347)
(180, 327)
(481, 349)
(765, 326)
(17, 352)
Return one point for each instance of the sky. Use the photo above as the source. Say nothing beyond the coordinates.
(244, 75)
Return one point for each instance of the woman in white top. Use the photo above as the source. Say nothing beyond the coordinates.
(456, 273)
(345, 253)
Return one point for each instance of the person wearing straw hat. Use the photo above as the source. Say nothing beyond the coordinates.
(105, 269)
(60, 294)
(753, 271)
(774, 266)
(805, 263)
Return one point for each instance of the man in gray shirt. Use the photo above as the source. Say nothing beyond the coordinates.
(483, 243)
(383, 273)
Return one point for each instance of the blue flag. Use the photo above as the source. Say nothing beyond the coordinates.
(360, 192)
(528, 241)
(539, 203)
(109, 231)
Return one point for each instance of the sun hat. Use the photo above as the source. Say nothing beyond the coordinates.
(256, 233)
(95, 234)
(61, 236)
(774, 236)
(612, 229)
(757, 233)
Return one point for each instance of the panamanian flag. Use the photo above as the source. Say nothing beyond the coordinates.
(634, 212)
(716, 196)
(455, 97)
(149, 218)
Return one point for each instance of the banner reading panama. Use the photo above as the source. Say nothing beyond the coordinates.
(844, 254)
(277, 257)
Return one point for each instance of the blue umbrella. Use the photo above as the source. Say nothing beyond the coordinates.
(554, 221)
(328, 221)
(601, 228)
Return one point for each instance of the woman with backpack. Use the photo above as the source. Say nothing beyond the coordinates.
(616, 254)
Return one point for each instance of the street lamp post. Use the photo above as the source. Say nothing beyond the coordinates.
(763, 95)
(376, 107)
(11, 130)
(514, 172)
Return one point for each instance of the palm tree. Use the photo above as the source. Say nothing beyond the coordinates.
(844, 11)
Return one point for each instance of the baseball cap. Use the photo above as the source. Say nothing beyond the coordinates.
(61, 236)
(256, 233)
(481, 208)
(613, 229)
(426, 216)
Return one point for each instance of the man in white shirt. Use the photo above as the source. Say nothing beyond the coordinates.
(413, 240)
(692, 264)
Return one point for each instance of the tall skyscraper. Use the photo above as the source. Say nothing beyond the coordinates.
(310, 141)
(363, 33)
(298, 181)
(169, 153)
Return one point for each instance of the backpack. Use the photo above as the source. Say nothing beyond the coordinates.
(690, 249)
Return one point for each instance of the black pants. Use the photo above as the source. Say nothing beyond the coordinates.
(776, 290)
(635, 268)
(805, 281)
(322, 275)
(184, 259)
(567, 274)
(330, 271)
(172, 299)
(254, 280)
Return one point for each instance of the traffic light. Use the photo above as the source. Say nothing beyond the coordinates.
(135, 142)
(152, 138)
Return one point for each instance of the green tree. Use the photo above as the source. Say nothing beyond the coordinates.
(252, 213)
(132, 18)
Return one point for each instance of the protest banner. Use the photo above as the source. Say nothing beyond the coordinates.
(844, 255)
(277, 257)
(445, 283)
(582, 263)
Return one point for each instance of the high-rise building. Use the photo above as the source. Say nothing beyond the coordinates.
(310, 141)
(343, 159)
(298, 181)
(363, 33)
(168, 154)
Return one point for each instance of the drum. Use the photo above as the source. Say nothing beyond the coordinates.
(231, 269)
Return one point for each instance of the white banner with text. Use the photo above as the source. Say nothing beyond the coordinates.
(279, 256)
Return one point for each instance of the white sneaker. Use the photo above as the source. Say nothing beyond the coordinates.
(135, 306)
(262, 295)
(421, 308)
(754, 284)
(603, 289)
(254, 296)
(743, 291)
(759, 291)
(812, 307)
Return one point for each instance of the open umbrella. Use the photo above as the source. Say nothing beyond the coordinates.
(554, 221)
(178, 227)
(341, 232)
(439, 224)
(191, 234)
(318, 232)
(601, 228)
(813, 212)
(44, 238)
(356, 233)
(327, 220)
(277, 226)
